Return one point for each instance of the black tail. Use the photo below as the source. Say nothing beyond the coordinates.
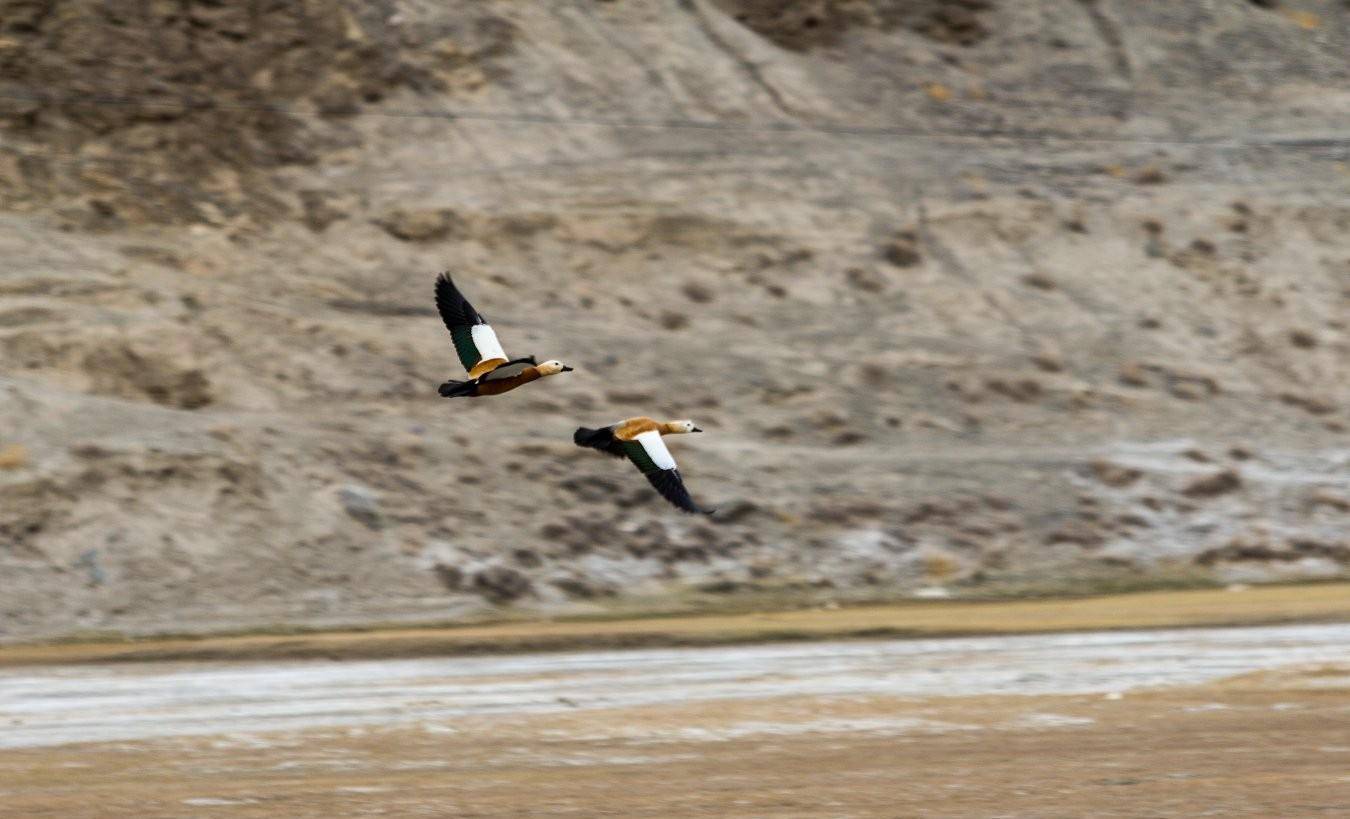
(458, 389)
(601, 439)
(585, 436)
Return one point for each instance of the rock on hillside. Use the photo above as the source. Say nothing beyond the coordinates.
(972, 294)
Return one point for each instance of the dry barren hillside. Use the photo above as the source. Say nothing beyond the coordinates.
(969, 294)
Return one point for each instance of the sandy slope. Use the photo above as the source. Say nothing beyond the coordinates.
(986, 294)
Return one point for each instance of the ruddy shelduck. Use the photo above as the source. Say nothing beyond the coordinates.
(490, 371)
(639, 440)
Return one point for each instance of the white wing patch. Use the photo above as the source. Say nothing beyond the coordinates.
(656, 449)
(486, 342)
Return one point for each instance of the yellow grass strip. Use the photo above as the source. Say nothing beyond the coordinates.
(1206, 607)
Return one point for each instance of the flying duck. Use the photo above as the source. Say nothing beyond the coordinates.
(639, 440)
(490, 372)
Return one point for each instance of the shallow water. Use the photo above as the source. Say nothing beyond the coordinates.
(94, 703)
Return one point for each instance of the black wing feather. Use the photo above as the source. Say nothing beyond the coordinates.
(666, 481)
(671, 486)
(455, 310)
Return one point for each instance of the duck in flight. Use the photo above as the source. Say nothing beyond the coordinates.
(639, 440)
(490, 371)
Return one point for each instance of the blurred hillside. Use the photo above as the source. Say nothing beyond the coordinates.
(972, 294)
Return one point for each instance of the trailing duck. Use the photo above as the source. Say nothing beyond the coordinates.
(490, 371)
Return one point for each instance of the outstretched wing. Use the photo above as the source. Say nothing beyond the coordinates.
(649, 452)
(511, 369)
(475, 342)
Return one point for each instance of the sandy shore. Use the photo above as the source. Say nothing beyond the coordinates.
(1058, 709)
(1231, 722)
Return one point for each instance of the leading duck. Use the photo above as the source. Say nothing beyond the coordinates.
(490, 371)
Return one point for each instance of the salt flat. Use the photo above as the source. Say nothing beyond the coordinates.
(118, 702)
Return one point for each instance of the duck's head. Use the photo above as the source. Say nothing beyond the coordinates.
(679, 427)
(552, 367)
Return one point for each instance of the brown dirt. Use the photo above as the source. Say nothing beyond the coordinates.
(1266, 745)
(805, 25)
(177, 112)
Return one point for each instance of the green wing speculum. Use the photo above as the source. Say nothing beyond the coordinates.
(464, 346)
(648, 452)
(475, 341)
(637, 453)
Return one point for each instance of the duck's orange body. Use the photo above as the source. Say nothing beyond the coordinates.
(497, 386)
(633, 427)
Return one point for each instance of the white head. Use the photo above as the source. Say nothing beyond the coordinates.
(678, 427)
(552, 367)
